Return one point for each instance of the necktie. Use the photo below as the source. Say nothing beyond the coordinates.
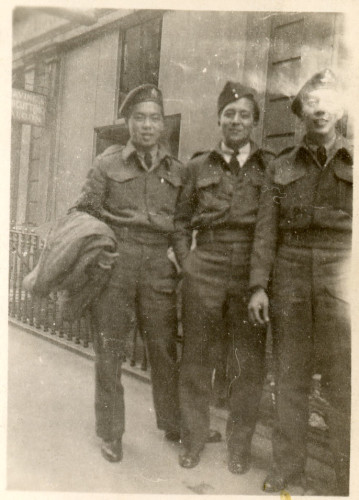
(322, 155)
(148, 160)
(234, 163)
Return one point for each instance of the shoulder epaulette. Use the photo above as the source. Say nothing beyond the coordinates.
(198, 153)
(115, 148)
(266, 154)
(286, 150)
(347, 153)
(175, 160)
(269, 152)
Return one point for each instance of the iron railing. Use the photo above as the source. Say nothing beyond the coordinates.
(44, 313)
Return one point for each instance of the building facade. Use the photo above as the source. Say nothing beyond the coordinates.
(86, 69)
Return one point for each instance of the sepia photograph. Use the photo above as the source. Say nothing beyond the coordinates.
(180, 273)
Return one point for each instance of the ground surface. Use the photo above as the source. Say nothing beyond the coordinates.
(52, 445)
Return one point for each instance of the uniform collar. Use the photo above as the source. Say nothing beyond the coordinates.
(160, 154)
(314, 147)
(341, 145)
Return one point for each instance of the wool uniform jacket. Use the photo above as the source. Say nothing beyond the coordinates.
(69, 262)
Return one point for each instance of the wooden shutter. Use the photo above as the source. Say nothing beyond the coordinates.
(284, 65)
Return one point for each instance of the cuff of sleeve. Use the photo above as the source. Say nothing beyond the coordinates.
(255, 288)
(258, 280)
(181, 252)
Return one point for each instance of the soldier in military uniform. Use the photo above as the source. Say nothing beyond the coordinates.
(134, 189)
(220, 198)
(303, 233)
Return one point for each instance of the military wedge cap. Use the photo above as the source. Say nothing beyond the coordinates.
(232, 91)
(143, 93)
(324, 79)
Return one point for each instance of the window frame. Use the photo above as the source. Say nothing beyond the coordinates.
(120, 93)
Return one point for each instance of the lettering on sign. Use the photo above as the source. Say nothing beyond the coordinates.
(28, 107)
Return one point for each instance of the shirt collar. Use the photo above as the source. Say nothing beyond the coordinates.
(246, 149)
(218, 149)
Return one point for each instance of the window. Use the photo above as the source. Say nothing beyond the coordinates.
(140, 63)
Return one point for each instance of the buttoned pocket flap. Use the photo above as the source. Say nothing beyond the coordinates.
(344, 172)
(256, 177)
(172, 178)
(208, 181)
(285, 176)
(122, 175)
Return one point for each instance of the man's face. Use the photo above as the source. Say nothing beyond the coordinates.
(145, 124)
(321, 109)
(236, 122)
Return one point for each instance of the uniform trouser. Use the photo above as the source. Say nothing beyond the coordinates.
(311, 328)
(215, 291)
(142, 289)
(220, 382)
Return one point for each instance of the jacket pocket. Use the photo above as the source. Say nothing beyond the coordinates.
(122, 173)
(284, 178)
(205, 182)
(214, 195)
(172, 179)
(255, 181)
(295, 194)
(163, 189)
(247, 189)
(124, 190)
(344, 180)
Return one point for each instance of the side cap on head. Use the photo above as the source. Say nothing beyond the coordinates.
(143, 93)
(324, 79)
(233, 91)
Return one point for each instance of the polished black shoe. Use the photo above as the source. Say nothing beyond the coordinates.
(238, 464)
(275, 481)
(112, 450)
(174, 436)
(214, 436)
(189, 460)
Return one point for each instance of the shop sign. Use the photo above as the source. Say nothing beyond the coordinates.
(28, 107)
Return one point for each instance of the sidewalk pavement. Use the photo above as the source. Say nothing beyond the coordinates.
(52, 444)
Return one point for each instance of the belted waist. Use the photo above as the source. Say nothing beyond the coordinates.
(317, 238)
(225, 235)
(142, 235)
